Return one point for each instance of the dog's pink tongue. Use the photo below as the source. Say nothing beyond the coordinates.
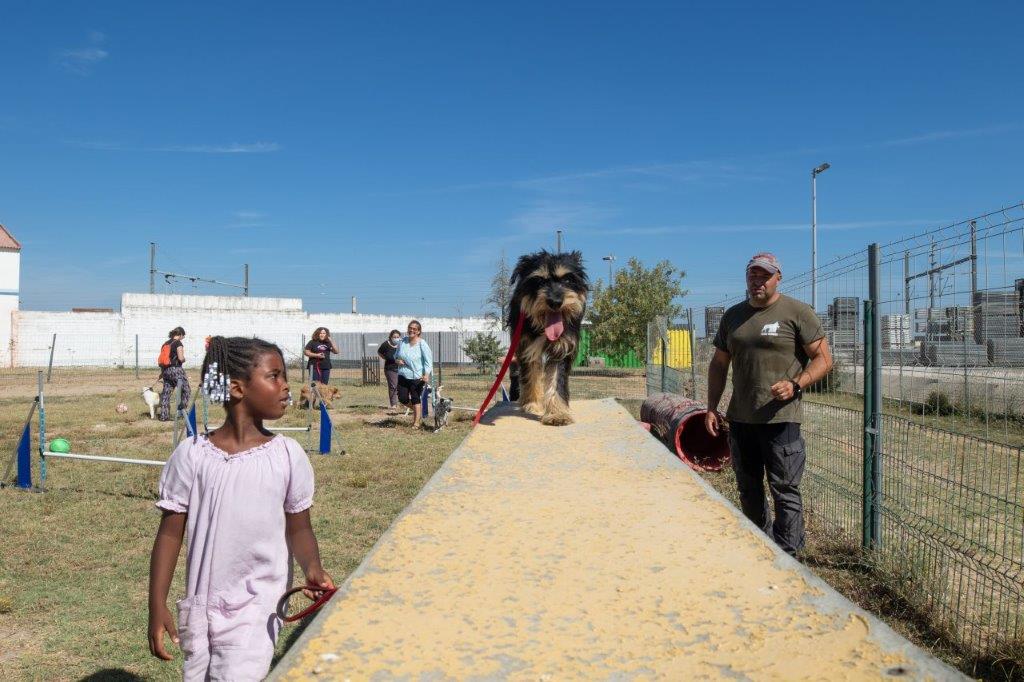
(554, 327)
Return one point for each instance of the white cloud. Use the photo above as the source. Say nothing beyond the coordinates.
(648, 177)
(233, 148)
(82, 60)
(757, 227)
(939, 135)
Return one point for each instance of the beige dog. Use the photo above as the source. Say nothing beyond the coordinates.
(327, 393)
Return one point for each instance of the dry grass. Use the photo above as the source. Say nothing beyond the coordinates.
(73, 573)
(75, 562)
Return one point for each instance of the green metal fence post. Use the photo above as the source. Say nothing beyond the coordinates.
(663, 333)
(693, 353)
(875, 290)
(868, 474)
(872, 518)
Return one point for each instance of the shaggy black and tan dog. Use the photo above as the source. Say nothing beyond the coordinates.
(551, 290)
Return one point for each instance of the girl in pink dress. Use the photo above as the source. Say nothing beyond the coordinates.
(242, 495)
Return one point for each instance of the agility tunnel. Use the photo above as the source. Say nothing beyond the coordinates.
(678, 422)
(586, 552)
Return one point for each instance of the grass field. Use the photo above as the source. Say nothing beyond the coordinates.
(74, 568)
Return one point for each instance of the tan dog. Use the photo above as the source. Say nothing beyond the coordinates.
(551, 292)
(326, 391)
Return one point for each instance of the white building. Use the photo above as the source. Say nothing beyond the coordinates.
(10, 275)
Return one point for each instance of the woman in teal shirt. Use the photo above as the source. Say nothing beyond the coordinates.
(415, 364)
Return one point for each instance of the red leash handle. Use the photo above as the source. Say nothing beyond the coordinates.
(504, 367)
(282, 604)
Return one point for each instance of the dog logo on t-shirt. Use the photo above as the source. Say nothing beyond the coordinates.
(770, 329)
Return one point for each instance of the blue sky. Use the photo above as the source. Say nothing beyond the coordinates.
(392, 151)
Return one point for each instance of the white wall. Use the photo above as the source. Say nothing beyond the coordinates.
(108, 339)
(10, 273)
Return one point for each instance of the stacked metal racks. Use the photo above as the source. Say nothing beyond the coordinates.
(713, 315)
(954, 354)
(996, 315)
(895, 331)
(1006, 352)
(845, 316)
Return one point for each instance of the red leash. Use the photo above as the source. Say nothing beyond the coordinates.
(282, 604)
(504, 367)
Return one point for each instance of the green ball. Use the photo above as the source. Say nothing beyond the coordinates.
(59, 445)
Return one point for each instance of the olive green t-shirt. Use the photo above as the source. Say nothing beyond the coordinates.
(766, 345)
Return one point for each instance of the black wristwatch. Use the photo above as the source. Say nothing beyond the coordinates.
(797, 391)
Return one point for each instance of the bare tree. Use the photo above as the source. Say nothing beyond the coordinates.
(497, 302)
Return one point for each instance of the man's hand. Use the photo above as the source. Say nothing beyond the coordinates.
(783, 390)
(161, 621)
(711, 422)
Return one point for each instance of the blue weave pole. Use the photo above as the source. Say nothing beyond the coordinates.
(190, 422)
(325, 430)
(25, 458)
(425, 401)
(504, 395)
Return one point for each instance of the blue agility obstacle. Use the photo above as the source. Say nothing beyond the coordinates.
(25, 458)
(326, 429)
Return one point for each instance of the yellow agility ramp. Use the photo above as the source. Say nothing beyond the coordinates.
(586, 552)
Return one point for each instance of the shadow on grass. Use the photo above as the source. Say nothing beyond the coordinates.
(845, 567)
(112, 675)
(289, 638)
(152, 494)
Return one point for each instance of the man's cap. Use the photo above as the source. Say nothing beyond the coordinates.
(765, 260)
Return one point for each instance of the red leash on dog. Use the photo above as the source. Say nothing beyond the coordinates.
(504, 367)
(282, 604)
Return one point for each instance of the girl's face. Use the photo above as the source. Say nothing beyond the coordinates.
(322, 335)
(266, 391)
(395, 338)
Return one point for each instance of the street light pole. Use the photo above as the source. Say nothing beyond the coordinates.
(558, 241)
(814, 232)
(611, 259)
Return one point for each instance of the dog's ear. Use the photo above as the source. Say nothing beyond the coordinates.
(523, 266)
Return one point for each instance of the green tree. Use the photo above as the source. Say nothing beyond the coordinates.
(484, 349)
(620, 313)
(497, 301)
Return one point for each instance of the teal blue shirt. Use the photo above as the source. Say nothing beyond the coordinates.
(418, 359)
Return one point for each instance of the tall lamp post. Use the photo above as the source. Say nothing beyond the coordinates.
(611, 259)
(814, 232)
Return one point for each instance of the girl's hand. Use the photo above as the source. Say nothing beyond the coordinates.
(161, 621)
(320, 578)
(399, 362)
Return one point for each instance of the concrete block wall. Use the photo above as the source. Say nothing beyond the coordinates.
(109, 339)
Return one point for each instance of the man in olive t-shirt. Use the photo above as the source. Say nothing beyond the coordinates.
(776, 346)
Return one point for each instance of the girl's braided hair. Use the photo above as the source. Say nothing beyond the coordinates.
(231, 356)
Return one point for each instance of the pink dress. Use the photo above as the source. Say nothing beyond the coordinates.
(238, 564)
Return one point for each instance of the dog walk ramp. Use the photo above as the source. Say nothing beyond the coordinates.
(586, 552)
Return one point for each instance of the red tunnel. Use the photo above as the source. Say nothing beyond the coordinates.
(679, 423)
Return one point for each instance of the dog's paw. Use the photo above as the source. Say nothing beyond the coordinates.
(557, 419)
(533, 408)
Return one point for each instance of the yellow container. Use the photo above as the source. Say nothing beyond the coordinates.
(679, 355)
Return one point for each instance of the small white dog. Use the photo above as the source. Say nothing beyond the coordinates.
(152, 400)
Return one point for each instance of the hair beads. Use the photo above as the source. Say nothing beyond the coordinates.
(215, 385)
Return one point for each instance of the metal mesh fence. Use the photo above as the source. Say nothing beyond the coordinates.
(945, 527)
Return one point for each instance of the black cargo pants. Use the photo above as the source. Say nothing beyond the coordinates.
(778, 451)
